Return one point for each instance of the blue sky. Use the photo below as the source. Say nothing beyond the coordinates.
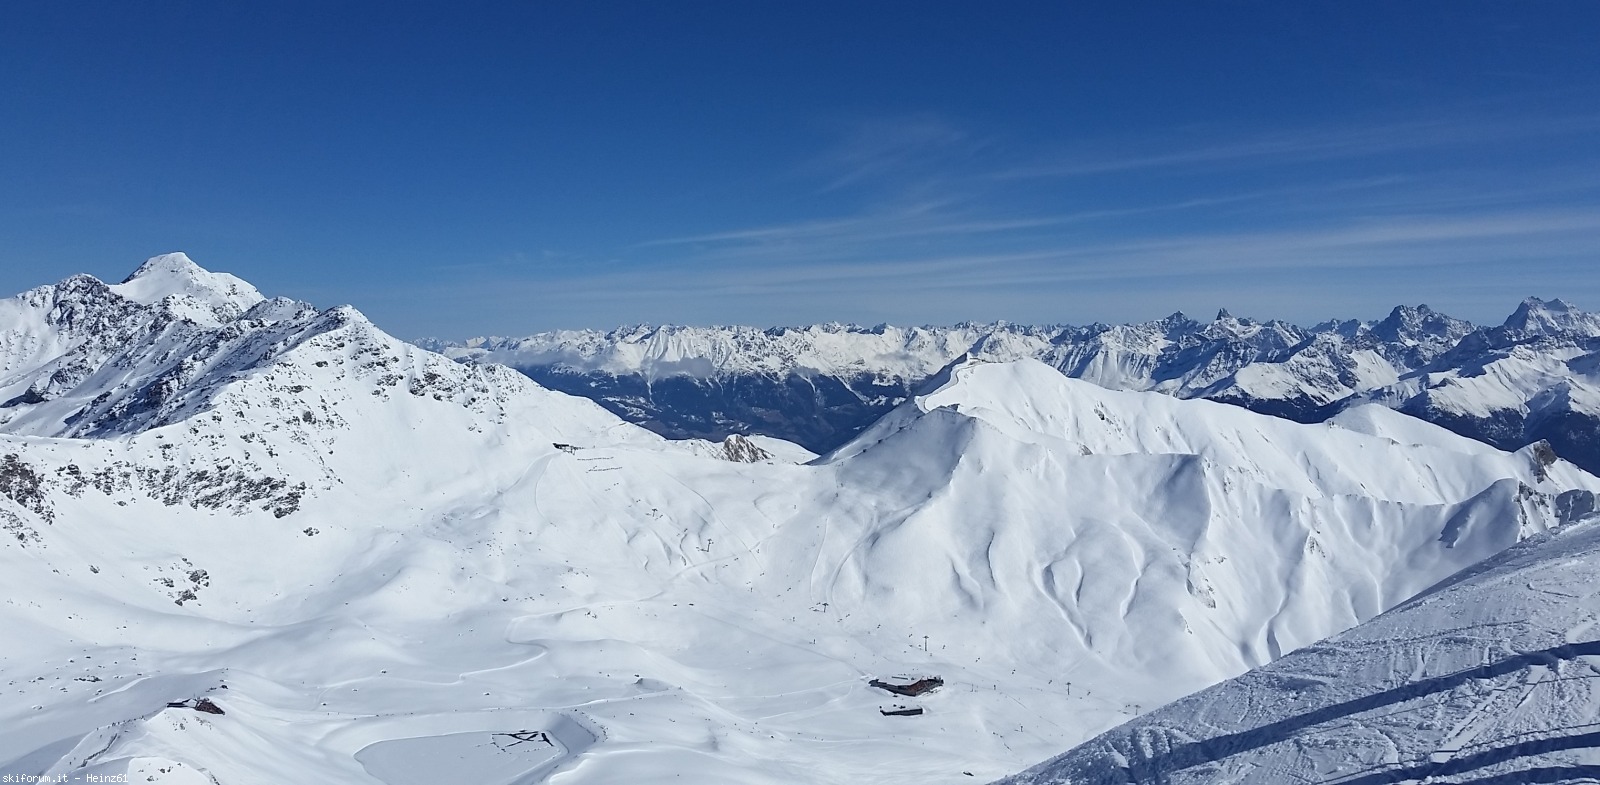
(469, 168)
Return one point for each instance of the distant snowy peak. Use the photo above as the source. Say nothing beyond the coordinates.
(1176, 354)
(1413, 336)
(1536, 317)
(710, 352)
(1533, 378)
(175, 275)
(1418, 324)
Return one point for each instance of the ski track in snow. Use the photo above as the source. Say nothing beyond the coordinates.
(1510, 712)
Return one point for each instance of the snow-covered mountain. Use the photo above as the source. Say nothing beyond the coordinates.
(1491, 677)
(816, 386)
(382, 566)
(1533, 378)
(80, 356)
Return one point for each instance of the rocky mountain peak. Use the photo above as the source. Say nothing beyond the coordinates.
(1552, 317)
(1178, 323)
(739, 449)
(1420, 324)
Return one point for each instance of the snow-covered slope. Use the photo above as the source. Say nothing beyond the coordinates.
(386, 567)
(1193, 539)
(1490, 677)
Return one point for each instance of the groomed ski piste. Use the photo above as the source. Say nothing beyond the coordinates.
(253, 541)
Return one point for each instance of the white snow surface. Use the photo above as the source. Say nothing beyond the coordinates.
(176, 275)
(1491, 677)
(388, 567)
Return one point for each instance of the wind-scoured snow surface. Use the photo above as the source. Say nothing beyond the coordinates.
(1492, 677)
(1535, 377)
(383, 566)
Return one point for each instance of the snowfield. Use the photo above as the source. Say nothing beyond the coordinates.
(1491, 677)
(382, 566)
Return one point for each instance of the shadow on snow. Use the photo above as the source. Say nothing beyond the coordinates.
(1156, 768)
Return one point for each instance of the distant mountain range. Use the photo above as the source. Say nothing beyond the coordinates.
(1535, 377)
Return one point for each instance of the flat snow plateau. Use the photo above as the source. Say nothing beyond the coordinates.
(386, 567)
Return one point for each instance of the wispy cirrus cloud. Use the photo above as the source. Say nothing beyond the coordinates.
(865, 228)
(899, 148)
(933, 223)
(1475, 265)
(1314, 144)
(952, 221)
(1412, 241)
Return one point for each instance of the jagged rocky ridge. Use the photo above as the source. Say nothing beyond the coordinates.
(1535, 377)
